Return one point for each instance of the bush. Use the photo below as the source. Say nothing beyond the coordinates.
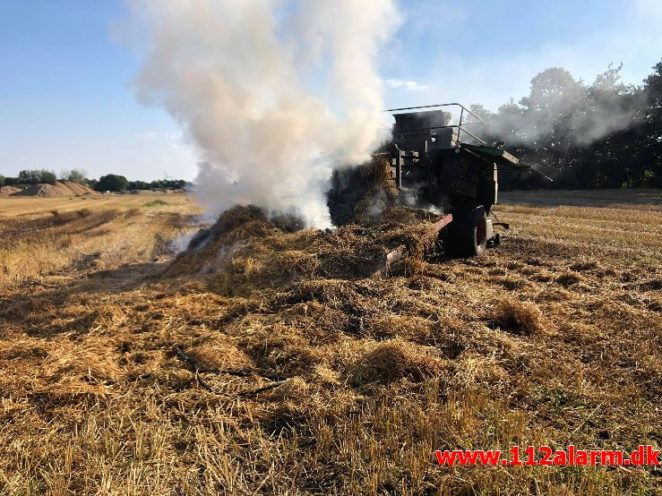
(48, 177)
(135, 185)
(112, 182)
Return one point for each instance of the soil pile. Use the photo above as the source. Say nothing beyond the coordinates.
(9, 190)
(60, 188)
(78, 189)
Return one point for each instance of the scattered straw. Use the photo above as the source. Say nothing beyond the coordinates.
(392, 360)
(519, 317)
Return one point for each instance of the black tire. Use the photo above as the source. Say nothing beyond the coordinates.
(466, 236)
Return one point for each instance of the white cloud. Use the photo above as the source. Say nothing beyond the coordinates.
(405, 84)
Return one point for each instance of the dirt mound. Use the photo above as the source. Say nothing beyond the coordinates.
(9, 190)
(79, 189)
(45, 190)
(60, 188)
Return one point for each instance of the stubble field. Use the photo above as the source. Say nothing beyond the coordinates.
(271, 362)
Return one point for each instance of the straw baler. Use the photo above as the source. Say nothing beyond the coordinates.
(449, 166)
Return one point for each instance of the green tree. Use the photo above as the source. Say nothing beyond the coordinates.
(650, 139)
(601, 135)
(138, 185)
(553, 90)
(112, 182)
(28, 177)
(35, 176)
(48, 177)
(77, 176)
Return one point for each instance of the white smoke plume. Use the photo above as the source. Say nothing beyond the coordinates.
(273, 93)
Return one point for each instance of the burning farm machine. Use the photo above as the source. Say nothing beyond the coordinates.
(450, 167)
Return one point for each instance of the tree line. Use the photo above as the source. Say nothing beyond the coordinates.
(109, 182)
(605, 134)
(117, 183)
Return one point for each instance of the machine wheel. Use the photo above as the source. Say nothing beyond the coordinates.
(466, 236)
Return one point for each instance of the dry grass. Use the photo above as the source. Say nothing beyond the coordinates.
(271, 362)
(393, 360)
(48, 237)
(519, 317)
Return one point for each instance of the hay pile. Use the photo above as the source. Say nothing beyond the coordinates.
(60, 188)
(246, 251)
(519, 317)
(362, 194)
(394, 360)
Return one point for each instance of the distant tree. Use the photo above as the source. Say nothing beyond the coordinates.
(2, 180)
(553, 90)
(480, 111)
(112, 182)
(35, 176)
(654, 90)
(649, 143)
(158, 184)
(28, 177)
(138, 185)
(77, 176)
(601, 135)
(48, 177)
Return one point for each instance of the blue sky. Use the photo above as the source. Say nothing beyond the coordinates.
(66, 100)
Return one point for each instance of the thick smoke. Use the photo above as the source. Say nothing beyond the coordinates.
(274, 93)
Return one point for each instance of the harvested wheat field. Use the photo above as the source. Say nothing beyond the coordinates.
(268, 359)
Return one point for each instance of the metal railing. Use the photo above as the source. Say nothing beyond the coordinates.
(459, 127)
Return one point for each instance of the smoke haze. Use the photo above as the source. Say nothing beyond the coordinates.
(273, 93)
(559, 107)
